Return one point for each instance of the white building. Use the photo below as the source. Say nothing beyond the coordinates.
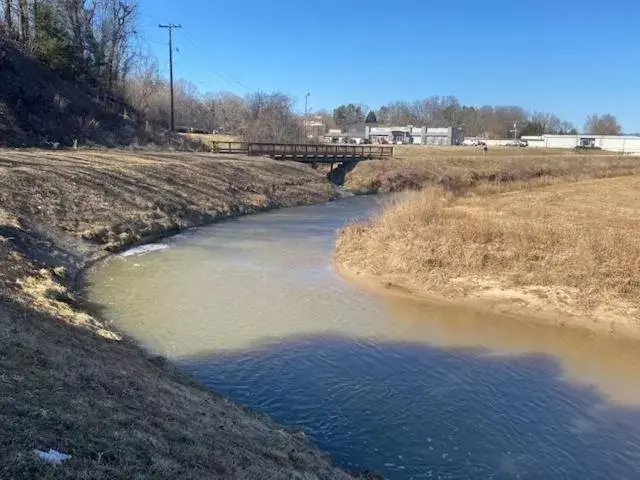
(614, 143)
(393, 135)
(414, 135)
(408, 134)
(440, 136)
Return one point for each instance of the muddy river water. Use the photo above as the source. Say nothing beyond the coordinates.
(254, 309)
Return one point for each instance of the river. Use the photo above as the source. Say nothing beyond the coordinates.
(254, 309)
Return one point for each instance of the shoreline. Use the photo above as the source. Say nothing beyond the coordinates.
(93, 372)
(76, 282)
(561, 253)
(501, 306)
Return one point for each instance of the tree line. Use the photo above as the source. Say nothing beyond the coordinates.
(86, 39)
(256, 117)
(96, 41)
(487, 120)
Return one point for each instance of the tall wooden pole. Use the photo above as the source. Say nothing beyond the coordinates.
(170, 27)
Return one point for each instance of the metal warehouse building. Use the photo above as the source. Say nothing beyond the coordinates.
(615, 143)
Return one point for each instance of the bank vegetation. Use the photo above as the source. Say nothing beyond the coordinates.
(460, 168)
(567, 253)
(73, 383)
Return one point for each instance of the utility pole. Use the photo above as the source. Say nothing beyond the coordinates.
(306, 119)
(170, 27)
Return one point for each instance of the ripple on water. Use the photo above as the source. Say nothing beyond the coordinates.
(144, 249)
(253, 309)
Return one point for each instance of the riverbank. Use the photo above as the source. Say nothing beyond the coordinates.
(460, 168)
(565, 253)
(71, 382)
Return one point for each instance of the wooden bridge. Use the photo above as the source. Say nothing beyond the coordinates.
(307, 153)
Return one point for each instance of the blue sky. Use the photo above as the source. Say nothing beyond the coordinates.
(568, 57)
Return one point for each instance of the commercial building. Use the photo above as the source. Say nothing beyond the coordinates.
(624, 144)
(314, 127)
(442, 136)
(355, 135)
(408, 134)
(393, 135)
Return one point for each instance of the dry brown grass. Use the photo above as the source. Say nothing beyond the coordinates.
(419, 168)
(210, 139)
(115, 199)
(569, 248)
(427, 151)
(67, 380)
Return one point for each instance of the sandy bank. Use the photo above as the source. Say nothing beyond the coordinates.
(566, 254)
(521, 305)
(72, 383)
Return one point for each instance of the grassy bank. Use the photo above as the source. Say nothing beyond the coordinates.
(567, 253)
(211, 139)
(418, 167)
(69, 381)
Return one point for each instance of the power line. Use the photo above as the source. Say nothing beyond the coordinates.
(170, 27)
(221, 75)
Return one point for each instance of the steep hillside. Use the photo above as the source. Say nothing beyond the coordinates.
(39, 107)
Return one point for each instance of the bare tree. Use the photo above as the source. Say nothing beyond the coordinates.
(79, 19)
(606, 124)
(117, 29)
(8, 15)
(23, 14)
(567, 128)
(147, 91)
(230, 113)
(384, 115)
(270, 118)
(487, 120)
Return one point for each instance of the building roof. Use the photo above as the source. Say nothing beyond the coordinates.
(353, 133)
(438, 130)
(579, 135)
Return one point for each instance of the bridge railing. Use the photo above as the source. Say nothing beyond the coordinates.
(303, 149)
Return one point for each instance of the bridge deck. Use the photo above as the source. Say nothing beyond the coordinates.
(311, 153)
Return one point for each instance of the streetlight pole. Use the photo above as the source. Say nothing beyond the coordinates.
(459, 136)
(306, 120)
(515, 133)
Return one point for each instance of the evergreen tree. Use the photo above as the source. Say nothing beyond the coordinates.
(51, 43)
(371, 117)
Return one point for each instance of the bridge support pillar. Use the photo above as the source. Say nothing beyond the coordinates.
(338, 174)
